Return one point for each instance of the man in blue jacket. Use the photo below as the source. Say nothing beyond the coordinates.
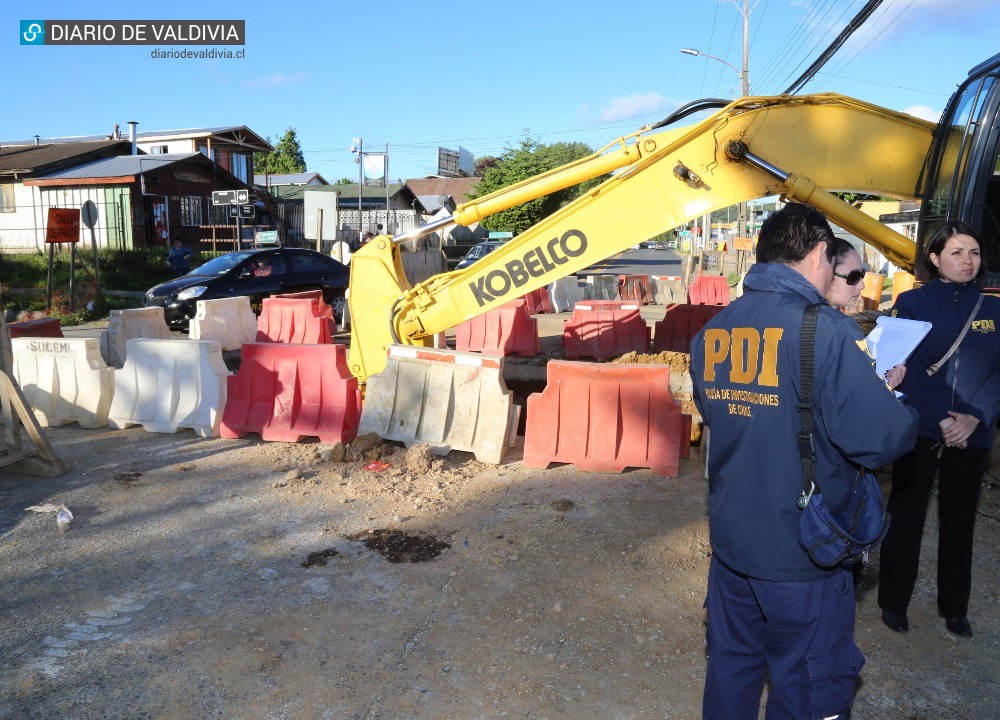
(771, 610)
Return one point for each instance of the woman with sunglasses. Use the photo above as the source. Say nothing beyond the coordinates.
(954, 383)
(848, 273)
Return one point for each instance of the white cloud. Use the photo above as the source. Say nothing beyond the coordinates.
(275, 80)
(923, 112)
(634, 105)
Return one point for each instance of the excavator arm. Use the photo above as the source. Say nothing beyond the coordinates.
(802, 147)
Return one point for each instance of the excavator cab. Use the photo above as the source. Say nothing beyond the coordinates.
(963, 166)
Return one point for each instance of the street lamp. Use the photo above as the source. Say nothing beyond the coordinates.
(744, 74)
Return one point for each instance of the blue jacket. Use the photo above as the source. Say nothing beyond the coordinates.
(745, 369)
(970, 381)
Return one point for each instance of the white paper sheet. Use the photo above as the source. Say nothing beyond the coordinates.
(894, 339)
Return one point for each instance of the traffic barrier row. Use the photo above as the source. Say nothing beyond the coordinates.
(538, 301)
(564, 293)
(125, 325)
(448, 399)
(604, 329)
(64, 380)
(167, 385)
(228, 321)
(668, 289)
(39, 327)
(601, 287)
(708, 290)
(286, 392)
(295, 320)
(505, 330)
(635, 288)
(680, 324)
(606, 418)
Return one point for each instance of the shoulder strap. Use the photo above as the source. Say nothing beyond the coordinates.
(958, 341)
(807, 448)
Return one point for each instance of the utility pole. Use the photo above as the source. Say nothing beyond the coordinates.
(742, 229)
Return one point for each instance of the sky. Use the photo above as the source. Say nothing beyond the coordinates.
(480, 76)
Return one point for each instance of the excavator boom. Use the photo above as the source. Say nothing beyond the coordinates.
(801, 147)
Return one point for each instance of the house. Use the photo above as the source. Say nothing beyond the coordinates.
(395, 208)
(304, 178)
(231, 146)
(143, 200)
(23, 211)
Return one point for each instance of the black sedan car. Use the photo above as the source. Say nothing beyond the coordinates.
(478, 252)
(255, 273)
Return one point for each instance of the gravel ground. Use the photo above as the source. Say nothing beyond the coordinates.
(240, 579)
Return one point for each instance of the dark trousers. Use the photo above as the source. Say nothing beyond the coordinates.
(960, 475)
(801, 633)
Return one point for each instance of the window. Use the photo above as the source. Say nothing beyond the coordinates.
(158, 150)
(7, 198)
(239, 168)
(218, 214)
(308, 263)
(191, 210)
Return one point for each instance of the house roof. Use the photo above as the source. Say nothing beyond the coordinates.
(370, 196)
(288, 179)
(126, 169)
(458, 188)
(30, 159)
(234, 134)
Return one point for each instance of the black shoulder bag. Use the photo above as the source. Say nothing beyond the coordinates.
(845, 535)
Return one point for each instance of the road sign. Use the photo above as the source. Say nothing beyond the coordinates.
(266, 237)
(241, 211)
(495, 235)
(63, 225)
(230, 197)
(88, 214)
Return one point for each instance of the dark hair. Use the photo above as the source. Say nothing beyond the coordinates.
(841, 249)
(940, 238)
(789, 234)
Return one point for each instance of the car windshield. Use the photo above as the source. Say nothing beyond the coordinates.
(221, 265)
(480, 251)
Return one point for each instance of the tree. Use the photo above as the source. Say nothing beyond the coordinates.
(531, 158)
(483, 164)
(287, 157)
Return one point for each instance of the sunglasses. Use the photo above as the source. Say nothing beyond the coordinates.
(851, 278)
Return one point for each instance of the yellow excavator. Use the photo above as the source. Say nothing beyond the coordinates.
(802, 147)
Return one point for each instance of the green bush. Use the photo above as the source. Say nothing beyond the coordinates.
(136, 270)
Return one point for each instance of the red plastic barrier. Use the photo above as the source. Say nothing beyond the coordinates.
(294, 320)
(605, 418)
(324, 309)
(506, 330)
(40, 327)
(708, 290)
(538, 301)
(605, 328)
(680, 324)
(635, 288)
(288, 392)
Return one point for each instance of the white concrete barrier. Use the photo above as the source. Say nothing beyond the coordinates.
(167, 385)
(669, 289)
(124, 325)
(448, 399)
(601, 287)
(564, 293)
(64, 380)
(228, 321)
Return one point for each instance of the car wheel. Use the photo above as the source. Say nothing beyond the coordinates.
(335, 299)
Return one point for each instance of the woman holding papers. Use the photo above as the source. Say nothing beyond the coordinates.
(953, 381)
(848, 274)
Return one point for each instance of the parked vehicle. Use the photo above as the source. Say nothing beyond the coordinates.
(478, 252)
(256, 274)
